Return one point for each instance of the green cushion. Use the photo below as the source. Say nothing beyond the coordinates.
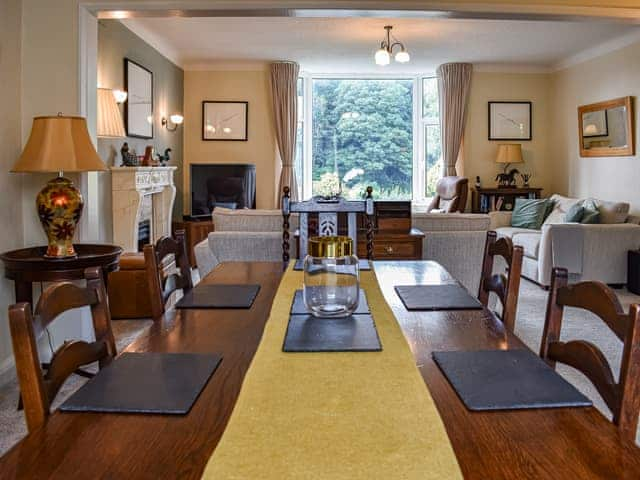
(529, 213)
(574, 214)
(591, 212)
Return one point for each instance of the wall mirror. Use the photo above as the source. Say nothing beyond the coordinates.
(606, 128)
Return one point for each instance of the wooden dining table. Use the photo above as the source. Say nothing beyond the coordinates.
(563, 443)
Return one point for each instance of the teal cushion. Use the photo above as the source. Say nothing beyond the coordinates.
(590, 216)
(529, 213)
(574, 214)
(591, 213)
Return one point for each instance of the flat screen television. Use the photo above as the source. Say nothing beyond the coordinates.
(222, 185)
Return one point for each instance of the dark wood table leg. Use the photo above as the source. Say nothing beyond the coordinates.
(24, 292)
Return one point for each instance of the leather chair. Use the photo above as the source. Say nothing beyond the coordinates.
(451, 195)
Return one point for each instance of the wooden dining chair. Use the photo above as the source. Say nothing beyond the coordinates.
(506, 287)
(328, 213)
(38, 389)
(168, 270)
(622, 397)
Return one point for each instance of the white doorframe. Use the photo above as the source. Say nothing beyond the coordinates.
(87, 105)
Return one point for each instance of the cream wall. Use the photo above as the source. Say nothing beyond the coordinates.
(610, 76)
(10, 146)
(480, 153)
(259, 149)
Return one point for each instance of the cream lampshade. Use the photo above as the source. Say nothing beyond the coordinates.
(109, 119)
(509, 153)
(59, 144)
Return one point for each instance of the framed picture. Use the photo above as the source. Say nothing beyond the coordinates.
(595, 124)
(139, 105)
(510, 121)
(226, 121)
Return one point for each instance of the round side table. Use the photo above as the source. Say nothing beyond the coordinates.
(28, 265)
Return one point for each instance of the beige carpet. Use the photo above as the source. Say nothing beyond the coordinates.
(12, 424)
(529, 324)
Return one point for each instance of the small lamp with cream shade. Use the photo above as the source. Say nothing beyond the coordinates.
(59, 144)
(509, 153)
(110, 123)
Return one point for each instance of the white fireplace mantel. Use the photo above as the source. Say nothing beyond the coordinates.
(129, 187)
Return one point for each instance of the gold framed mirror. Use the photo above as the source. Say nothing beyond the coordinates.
(606, 128)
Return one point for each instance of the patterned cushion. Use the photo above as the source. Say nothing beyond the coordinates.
(612, 212)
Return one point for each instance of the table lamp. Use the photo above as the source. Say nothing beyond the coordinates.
(59, 144)
(509, 153)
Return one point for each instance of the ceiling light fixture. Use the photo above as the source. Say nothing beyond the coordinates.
(383, 55)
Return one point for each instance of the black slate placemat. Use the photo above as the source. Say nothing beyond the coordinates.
(164, 383)
(299, 308)
(451, 296)
(363, 264)
(219, 296)
(506, 380)
(356, 333)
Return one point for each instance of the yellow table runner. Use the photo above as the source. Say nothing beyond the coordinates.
(342, 415)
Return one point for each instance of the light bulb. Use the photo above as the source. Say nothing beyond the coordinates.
(120, 96)
(382, 57)
(402, 56)
(226, 130)
(176, 119)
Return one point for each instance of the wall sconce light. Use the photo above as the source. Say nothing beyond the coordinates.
(120, 95)
(175, 120)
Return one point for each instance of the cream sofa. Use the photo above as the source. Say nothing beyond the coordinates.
(243, 235)
(589, 252)
(454, 240)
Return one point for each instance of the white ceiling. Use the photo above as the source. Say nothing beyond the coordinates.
(345, 45)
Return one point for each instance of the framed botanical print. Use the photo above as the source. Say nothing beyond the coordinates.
(510, 121)
(225, 120)
(139, 105)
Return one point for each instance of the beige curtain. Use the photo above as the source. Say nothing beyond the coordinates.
(284, 82)
(454, 80)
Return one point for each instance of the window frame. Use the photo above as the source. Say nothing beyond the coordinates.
(418, 179)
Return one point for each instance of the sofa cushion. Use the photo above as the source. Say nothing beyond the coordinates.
(529, 213)
(561, 205)
(247, 220)
(612, 212)
(511, 231)
(530, 242)
(575, 213)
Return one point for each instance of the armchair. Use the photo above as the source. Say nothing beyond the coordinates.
(451, 195)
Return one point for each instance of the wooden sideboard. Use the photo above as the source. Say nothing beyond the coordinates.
(484, 200)
(394, 245)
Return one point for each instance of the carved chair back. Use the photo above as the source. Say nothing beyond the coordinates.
(163, 277)
(328, 213)
(506, 287)
(622, 397)
(37, 389)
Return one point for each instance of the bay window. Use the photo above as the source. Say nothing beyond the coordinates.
(359, 131)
